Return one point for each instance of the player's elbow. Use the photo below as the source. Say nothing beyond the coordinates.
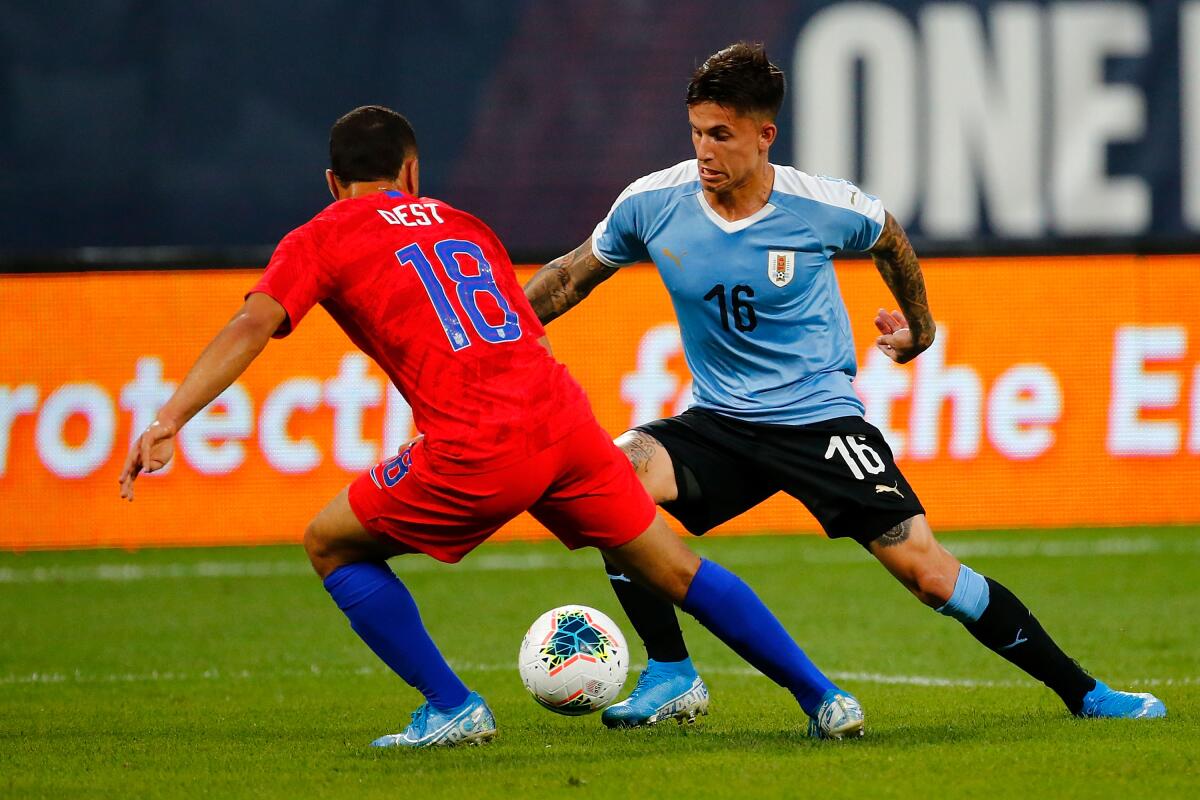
(259, 318)
(254, 331)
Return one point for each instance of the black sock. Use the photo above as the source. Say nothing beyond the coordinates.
(1008, 628)
(653, 617)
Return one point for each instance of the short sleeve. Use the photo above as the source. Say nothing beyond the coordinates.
(296, 277)
(617, 241)
(859, 230)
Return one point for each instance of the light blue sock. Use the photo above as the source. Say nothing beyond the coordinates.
(970, 598)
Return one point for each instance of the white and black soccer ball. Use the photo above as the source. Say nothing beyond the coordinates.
(573, 660)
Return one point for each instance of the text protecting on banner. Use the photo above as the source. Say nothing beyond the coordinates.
(1059, 392)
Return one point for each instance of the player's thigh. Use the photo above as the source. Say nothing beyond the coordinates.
(408, 506)
(844, 472)
(594, 499)
(715, 475)
(336, 537)
(917, 559)
(651, 462)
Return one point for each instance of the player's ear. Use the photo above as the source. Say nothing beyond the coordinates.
(331, 182)
(767, 133)
(410, 177)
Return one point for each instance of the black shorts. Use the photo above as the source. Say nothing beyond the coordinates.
(841, 469)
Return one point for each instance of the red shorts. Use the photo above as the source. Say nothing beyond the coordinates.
(582, 488)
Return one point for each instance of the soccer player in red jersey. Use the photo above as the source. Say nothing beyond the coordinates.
(428, 291)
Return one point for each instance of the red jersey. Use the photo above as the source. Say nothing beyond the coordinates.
(430, 294)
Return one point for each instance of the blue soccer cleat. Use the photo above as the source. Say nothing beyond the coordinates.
(839, 717)
(470, 723)
(665, 690)
(1103, 702)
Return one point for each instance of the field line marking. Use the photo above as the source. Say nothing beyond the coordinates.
(58, 677)
(1007, 547)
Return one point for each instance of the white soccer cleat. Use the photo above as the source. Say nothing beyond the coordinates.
(839, 717)
(470, 723)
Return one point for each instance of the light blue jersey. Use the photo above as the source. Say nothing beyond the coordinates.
(765, 331)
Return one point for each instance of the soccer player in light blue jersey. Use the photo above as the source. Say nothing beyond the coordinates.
(744, 248)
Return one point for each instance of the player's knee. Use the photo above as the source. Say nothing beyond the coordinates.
(320, 550)
(678, 582)
(667, 571)
(931, 585)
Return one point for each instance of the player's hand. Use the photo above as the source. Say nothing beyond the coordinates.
(896, 341)
(150, 453)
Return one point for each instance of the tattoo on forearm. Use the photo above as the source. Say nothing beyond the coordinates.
(896, 535)
(901, 271)
(640, 448)
(549, 290)
(565, 281)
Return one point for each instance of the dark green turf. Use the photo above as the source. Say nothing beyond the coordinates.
(182, 683)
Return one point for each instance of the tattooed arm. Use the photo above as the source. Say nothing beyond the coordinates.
(906, 333)
(565, 281)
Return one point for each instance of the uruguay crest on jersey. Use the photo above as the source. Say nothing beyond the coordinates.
(792, 362)
(781, 266)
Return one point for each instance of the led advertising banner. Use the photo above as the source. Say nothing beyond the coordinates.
(1060, 392)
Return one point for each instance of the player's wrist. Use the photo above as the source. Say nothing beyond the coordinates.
(166, 421)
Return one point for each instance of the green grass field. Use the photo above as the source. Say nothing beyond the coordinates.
(229, 673)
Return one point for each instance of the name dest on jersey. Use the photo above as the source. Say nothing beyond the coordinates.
(412, 215)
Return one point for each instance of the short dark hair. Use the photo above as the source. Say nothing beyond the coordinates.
(370, 144)
(739, 77)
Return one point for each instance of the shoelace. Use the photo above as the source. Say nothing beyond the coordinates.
(419, 717)
(646, 676)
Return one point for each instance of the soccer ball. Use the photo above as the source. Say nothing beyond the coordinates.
(573, 660)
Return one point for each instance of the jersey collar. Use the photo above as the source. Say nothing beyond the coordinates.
(736, 225)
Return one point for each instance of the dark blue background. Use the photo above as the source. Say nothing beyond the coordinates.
(152, 123)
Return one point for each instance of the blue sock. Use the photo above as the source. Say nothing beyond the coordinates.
(383, 614)
(729, 608)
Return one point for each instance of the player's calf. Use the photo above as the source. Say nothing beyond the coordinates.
(994, 616)
(915, 558)
(354, 570)
(997, 619)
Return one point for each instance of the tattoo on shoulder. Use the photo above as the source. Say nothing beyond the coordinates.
(896, 535)
(640, 448)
